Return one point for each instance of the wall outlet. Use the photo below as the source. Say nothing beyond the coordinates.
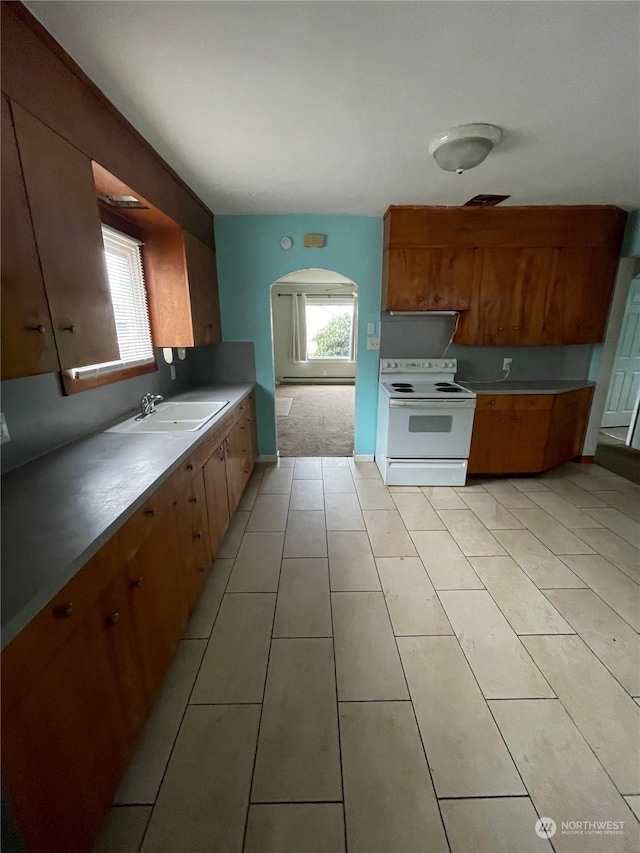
(371, 328)
(4, 430)
(506, 363)
(373, 343)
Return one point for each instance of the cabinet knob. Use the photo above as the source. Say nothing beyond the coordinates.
(63, 611)
(39, 328)
(516, 328)
(193, 500)
(202, 568)
(190, 466)
(492, 402)
(500, 328)
(113, 619)
(70, 328)
(137, 583)
(197, 535)
(150, 511)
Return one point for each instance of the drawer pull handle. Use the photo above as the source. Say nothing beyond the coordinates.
(63, 611)
(197, 535)
(190, 466)
(70, 328)
(39, 328)
(193, 500)
(150, 511)
(202, 568)
(113, 619)
(137, 583)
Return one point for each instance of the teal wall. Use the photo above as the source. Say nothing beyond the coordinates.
(250, 260)
(631, 242)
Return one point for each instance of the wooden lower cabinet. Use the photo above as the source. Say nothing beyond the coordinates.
(570, 416)
(195, 545)
(71, 710)
(527, 433)
(215, 481)
(78, 682)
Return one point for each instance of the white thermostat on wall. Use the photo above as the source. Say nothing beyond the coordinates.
(286, 242)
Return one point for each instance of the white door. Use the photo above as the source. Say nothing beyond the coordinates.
(625, 381)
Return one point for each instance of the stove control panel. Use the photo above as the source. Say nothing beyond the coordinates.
(430, 365)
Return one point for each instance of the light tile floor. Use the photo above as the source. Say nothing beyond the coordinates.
(402, 671)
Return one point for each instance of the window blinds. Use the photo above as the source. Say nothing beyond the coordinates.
(129, 300)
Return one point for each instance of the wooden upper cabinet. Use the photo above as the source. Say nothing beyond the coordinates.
(66, 223)
(203, 291)
(435, 279)
(518, 275)
(183, 289)
(510, 304)
(28, 345)
(579, 295)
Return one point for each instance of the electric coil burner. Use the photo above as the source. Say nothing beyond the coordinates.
(424, 423)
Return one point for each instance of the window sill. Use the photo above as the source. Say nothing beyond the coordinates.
(71, 385)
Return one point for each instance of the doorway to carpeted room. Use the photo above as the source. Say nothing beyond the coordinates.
(320, 420)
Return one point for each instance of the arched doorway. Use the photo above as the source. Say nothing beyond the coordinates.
(314, 338)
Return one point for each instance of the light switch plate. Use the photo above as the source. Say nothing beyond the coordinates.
(4, 430)
(373, 343)
(371, 328)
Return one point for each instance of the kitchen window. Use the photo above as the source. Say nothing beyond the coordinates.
(330, 327)
(129, 299)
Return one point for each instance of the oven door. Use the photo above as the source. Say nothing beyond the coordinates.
(430, 429)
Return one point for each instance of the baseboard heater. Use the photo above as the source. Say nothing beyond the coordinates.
(316, 380)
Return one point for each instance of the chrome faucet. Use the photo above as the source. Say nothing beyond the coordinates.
(148, 405)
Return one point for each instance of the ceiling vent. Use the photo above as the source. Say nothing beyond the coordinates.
(485, 200)
(129, 201)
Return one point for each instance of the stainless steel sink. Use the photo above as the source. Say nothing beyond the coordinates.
(173, 417)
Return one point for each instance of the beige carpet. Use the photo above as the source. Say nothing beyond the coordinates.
(320, 422)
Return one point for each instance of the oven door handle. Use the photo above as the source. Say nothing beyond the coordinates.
(432, 404)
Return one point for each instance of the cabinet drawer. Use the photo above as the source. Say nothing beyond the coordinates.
(533, 402)
(497, 403)
(517, 402)
(213, 441)
(146, 520)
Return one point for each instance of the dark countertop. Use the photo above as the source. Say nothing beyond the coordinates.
(528, 386)
(58, 510)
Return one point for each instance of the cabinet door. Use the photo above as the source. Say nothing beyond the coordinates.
(28, 345)
(510, 308)
(67, 737)
(203, 291)
(66, 223)
(568, 426)
(510, 434)
(436, 279)
(152, 567)
(195, 551)
(578, 300)
(215, 479)
(235, 453)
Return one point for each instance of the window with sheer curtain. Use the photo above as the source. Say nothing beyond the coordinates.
(330, 327)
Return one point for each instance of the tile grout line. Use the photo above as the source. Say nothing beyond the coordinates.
(335, 676)
(593, 652)
(266, 674)
(186, 707)
(404, 675)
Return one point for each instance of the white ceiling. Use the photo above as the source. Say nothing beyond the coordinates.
(328, 107)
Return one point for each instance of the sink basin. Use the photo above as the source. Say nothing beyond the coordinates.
(173, 417)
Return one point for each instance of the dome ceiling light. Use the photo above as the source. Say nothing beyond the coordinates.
(465, 146)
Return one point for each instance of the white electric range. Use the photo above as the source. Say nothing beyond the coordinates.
(424, 423)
